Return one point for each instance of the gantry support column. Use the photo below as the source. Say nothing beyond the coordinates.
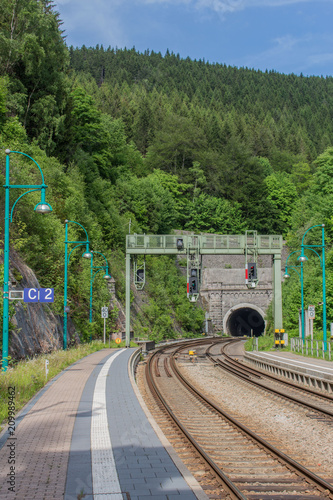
(128, 299)
(277, 304)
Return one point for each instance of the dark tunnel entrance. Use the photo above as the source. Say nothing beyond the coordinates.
(243, 320)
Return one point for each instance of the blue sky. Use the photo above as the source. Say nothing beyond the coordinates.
(288, 36)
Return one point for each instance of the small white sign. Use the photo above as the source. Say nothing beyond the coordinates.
(16, 295)
(105, 312)
(311, 312)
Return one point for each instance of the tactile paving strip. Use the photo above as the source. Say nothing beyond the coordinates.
(104, 474)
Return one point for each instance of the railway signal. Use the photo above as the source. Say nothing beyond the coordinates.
(139, 274)
(193, 283)
(252, 270)
(251, 274)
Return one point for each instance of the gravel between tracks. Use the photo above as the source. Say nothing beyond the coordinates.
(299, 435)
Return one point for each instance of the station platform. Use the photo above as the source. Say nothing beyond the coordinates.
(88, 435)
(314, 372)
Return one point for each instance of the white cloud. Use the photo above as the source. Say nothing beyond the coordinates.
(321, 58)
(226, 6)
(92, 23)
(290, 54)
(222, 6)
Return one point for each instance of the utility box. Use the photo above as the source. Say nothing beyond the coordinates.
(146, 345)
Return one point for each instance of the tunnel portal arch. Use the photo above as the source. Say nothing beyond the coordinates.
(243, 318)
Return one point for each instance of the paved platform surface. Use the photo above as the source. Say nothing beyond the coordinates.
(86, 436)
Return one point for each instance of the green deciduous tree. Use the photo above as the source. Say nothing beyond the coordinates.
(176, 146)
(34, 55)
(281, 194)
(153, 206)
(213, 215)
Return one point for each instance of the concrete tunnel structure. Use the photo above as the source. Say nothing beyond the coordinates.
(234, 308)
(244, 319)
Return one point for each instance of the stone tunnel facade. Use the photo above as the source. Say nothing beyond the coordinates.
(232, 307)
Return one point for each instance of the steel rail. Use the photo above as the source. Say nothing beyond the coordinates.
(261, 374)
(245, 375)
(306, 473)
(227, 483)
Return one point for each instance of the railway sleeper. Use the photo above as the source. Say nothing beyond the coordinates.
(270, 496)
(291, 488)
(264, 479)
(260, 462)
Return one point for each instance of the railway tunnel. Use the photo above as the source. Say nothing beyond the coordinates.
(242, 320)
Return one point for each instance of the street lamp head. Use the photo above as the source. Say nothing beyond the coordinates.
(87, 254)
(286, 275)
(107, 276)
(302, 258)
(43, 208)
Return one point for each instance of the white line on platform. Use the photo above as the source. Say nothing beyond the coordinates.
(295, 361)
(104, 474)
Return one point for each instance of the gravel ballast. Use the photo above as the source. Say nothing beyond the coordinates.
(294, 430)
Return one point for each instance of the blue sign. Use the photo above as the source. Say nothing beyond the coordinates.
(38, 295)
(46, 295)
(30, 295)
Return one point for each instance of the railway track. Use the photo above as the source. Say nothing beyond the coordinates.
(237, 463)
(317, 401)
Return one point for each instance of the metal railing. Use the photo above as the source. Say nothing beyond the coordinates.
(213, 242)
(314, 348)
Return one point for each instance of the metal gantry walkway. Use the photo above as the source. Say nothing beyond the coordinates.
(250, 244)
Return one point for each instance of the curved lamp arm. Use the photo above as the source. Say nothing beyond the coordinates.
(294, 269)
(27, 192)
(101, 269)
(106, 267)
(24, 154)
(73, 221)
(99, 253)
(314, 251)
(317, 225)
(88, 254)
(295, 251)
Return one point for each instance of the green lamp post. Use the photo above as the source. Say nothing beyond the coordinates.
(41, 207)
(92, 277)
(87, 255)
(303, 258)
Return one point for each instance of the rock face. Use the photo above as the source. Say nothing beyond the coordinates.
(34, 328)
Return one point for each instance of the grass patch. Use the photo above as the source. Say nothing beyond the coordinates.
(265, 343)
(28, 376)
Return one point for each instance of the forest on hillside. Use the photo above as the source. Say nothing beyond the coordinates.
(166, 143)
